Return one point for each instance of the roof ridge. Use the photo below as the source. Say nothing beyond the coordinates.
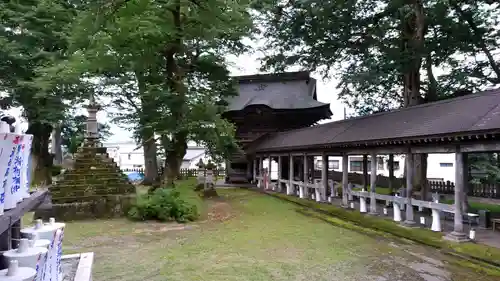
(271, 74)
(484, 115)
(280, 76)
(470, 96)
(475, 95)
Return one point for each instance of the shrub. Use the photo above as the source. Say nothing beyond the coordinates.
(164, 204)
(55, 170)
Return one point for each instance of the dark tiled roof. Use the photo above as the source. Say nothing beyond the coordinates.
(292, 90)
(274, 77)
(473, 113)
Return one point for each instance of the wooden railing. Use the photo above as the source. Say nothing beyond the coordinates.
(476, 190)
(357, 178)
(317, 191)
(443, 187)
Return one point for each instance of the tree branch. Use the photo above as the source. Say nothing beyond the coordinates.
(478, 35)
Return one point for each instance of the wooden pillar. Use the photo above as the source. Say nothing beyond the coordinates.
(5, 245)
(410, 220)
(373, 183)
(270, 160)
(310, 167)
(249, 169)
(305, 168)
(391, 173)
(306, 175)
(290, 175)
(345, 179)
(458, 234)
(255, 169)
(5, 240)
(257, 165)
(262, 161)
(280, 168)
(227, 170)
(15, 234)
(324, 172)
(365, 172)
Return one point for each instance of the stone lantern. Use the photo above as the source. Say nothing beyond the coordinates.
(201, 172)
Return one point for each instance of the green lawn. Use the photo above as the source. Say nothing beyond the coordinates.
(378, 189)
(476, 206)
(250, 236)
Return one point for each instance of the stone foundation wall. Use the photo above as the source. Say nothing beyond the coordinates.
(111, 206)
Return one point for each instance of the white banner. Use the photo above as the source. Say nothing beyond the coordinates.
(25, 184)
(52, 270)
(8, 180)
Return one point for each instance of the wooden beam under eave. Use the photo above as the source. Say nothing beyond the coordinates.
(481, 147)
(477, 145)
(377, 150)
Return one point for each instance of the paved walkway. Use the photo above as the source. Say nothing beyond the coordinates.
(483, 236)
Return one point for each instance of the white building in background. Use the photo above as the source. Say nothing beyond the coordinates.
(128, 155)
(440, 167)
(193, 155)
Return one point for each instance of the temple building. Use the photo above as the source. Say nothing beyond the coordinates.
(269, 103)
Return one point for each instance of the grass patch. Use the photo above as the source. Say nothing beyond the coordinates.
(378, 190)
(476, 206)
(186, 189)
(476, 265)
(423, 236)
(264, 239)
(249, 237)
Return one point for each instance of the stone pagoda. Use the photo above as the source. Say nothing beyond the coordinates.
(95, 187)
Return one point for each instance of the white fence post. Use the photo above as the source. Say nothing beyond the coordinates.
(397, 210)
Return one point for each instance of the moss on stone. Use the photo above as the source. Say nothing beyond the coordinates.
(99, 207)
(94, 179)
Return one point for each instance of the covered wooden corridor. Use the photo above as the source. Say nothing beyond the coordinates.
(460, 125)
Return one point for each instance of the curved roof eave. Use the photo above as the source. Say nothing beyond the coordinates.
(312, 105)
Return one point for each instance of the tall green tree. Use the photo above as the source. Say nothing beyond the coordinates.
(386, 53)
(370, 45)
(166, 59)
(32, 36)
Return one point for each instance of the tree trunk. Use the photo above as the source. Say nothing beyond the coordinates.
(41, 158)
(150, 160)
(172, 169)
(412, 33)
(57, 145)
(420, 175)
(146, 131)
(175, 149)
(176, 145)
